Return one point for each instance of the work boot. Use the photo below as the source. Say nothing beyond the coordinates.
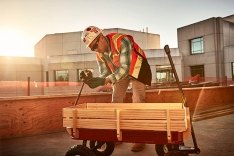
(137, 147)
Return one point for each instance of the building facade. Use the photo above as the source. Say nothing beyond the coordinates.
(64, 56)
(18, 73)
(207, 49)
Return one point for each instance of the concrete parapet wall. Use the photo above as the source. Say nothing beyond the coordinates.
(25, 116)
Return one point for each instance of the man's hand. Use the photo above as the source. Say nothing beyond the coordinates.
(86, 75)
(95, 82)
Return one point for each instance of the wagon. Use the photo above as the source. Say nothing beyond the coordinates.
(101, 125)
(107, 123)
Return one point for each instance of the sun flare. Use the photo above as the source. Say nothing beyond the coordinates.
(15, 43)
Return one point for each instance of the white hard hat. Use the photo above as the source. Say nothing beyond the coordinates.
(89, 34)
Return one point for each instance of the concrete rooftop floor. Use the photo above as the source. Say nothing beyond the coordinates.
(215, 137)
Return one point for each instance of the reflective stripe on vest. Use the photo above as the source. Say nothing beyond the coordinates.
(136, 62)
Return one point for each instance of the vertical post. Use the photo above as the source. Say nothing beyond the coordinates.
(28, 91)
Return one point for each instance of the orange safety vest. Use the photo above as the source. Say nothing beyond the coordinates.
(139, 67)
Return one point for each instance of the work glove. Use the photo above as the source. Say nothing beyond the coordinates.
(95, 82)
(85, 75)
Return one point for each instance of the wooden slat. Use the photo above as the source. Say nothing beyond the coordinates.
(96, 124)
(74, 123)
(135, 105)
(187, 133)
(94, 113)
(168, 126)
(127, 116)
(151, 114)
(129, 124)
(118, 128)
(68, 112)
(160, 125)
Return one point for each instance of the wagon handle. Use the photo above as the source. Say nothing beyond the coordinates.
(168, 52)
(78, 96)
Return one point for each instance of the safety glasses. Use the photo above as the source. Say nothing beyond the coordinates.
(95, 45)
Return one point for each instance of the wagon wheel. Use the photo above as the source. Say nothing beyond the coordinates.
(102, 148)
(161, 149)
(168, 150)
(79, 150)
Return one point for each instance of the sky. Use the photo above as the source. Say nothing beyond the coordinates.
(23, 23)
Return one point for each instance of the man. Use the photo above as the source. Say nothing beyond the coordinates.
(121, 62)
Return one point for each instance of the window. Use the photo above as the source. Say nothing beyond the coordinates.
(232, 67)
(61, 76)
(199, 69)
(79, 71)
(197, 45)
(164, 74)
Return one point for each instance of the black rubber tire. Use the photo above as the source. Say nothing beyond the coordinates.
(106, 149)
(79, 150)
(161, 149)
(165, 150)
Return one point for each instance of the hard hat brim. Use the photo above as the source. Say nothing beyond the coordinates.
(94, 38)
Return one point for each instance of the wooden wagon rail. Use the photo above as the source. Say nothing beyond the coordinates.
(167, 117)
